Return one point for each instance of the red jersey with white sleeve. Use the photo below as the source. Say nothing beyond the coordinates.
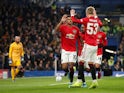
(91, 25)
(102, 41)
(69, 36)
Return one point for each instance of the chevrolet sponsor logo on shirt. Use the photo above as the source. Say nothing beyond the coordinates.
(70, 36)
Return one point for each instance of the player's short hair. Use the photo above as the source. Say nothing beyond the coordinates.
(90, 10)
(17, 36)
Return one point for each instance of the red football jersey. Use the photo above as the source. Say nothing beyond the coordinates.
(80, 41)
(101, 39)
(69, 37)
(91, 25)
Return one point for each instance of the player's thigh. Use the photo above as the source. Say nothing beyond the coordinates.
(80, 55)
(99, 59)
(72, 57)
(18, 64)
(67, 56)
(64, 65)
(86, 65)
(79, 58)
(64, 57)
(86, 53)
(13, 63)
(93, 57)
(71, 64)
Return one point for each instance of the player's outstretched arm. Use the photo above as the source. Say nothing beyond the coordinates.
(10, 52)
(63, 19)
(95, 14)
(73, 13)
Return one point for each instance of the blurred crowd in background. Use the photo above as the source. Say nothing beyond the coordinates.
(35, 25)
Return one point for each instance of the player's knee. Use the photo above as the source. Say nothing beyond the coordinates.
(91, 65)
(71, 65)
(97, 65)
(64, 67)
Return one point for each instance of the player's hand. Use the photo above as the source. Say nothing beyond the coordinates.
(100, 45)
(10, 61)
(72, 12)
(22, 59)
(95, 15)
(64, 17)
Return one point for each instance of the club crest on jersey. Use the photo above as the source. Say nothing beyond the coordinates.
(74, 31)
(99, 36)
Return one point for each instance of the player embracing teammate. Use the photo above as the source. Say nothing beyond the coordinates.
(89, 53)
(93, 41)
(69, 37)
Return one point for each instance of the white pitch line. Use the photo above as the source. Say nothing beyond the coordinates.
(55, 84)
(58, 84)
(21, 85)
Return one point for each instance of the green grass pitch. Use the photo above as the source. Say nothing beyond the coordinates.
(49, 85)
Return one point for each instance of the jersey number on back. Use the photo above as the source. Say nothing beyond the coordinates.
(92, 28)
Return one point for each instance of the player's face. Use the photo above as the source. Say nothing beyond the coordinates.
(17, 39)
(90, 11)
(82, 28)
(69, 21)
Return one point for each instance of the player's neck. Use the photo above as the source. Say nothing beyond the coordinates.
(90, 15)
(17, 42)
(70, 25)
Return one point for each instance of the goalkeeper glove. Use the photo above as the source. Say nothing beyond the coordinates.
(22, 59)
(10, 61)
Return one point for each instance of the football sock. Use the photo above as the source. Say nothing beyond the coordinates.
(13, 73)
(81, 71)
(16, 71)
(97, 69)
(71, 74)
(66, 71)
(93, 71)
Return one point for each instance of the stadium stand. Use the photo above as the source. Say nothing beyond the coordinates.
(35, 24)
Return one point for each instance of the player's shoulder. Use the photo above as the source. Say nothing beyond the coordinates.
(102, 33)
(98, 18)
(12, 44)
(75, 27)
(87, 19)
(20, 43)
(62, 26)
